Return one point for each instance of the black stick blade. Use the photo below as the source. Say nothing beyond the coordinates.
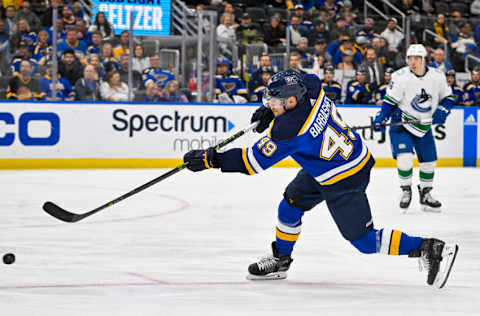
(59, 213)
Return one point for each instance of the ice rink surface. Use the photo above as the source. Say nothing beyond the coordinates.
(183, 247)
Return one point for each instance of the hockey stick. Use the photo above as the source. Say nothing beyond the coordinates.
(388, 124)
(69, 217)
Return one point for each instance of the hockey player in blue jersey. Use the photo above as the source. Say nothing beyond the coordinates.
(229, 87)
(305, 125)
(155, 74)
(456, 90)
(471, 89)
(333, 90)
(359, 91)
(382, 89)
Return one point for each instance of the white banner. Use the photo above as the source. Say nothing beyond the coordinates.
(161, 131)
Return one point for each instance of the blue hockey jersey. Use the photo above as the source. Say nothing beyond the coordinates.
(232, 85)
(157, 76)
(315, 137)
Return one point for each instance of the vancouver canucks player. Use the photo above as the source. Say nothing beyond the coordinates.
(416, 93)
(336, 169)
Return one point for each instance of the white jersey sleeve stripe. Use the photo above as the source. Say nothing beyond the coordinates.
(253, 161)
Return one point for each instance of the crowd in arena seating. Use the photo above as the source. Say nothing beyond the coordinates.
(325, 37)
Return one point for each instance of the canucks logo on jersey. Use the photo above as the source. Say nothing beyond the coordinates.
(422, 102)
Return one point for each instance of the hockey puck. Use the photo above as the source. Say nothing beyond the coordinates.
(8, 258)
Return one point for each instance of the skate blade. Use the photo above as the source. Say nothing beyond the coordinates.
(430, 209)
(270, 276)
(449, 254)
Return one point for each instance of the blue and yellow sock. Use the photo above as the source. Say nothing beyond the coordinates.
(387, 241)
(288, 229)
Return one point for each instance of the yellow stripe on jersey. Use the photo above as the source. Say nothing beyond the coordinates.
(395, 242)
(245, 161)
(285, 236)
(312, 115)
(270, 129)
(348, 173)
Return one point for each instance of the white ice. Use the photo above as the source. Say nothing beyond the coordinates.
(183, 246)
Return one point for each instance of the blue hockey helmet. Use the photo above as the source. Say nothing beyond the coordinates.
(283, 85)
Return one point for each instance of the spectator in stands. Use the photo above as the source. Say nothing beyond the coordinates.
(319, 32)
(10, 19)
(171, 93)
(73, 43)
(61, 32)
(368, 30)
(226, 36)
(439, 61)
(152, 93)
(406, 6)
(82, 32)
(156, 74)
(96, 45)
(347, 44)
(393, 36)
(94, 60)
(107, 54)
(256, 95)
(69, 19)
(361, 44)
(102, 25)
(23, 86)
(455, 23)
(122, 47)
(64, 90)
(70, 67)
(475, 7)
(3, 33)
(229, 88)
(375, 71)
(457, 91)
(247, 32)
(140, 62)
(23, 29)
(382, 89)
(42, 50)
(332, 89)
(348, 62)
(305, 17)
(295, 31)
(306, 58)
(8, 50)
(320, 49)
(29, 15)
(274, 32)
(459, 44)
(77, 11)
(23, 54)
(112, 89)
(282, 4)
(339, 29)
(88, 87)
(359, 91)
(294, 62)
(229, 8)
(440, 28)
(471, 89)
(46, 17)
(333, 6)
(137, 81)
(256, 77)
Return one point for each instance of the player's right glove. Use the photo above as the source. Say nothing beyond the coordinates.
(379, 122)
(199, 160)
(264, 115)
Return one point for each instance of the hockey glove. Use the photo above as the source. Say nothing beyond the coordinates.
(265, 116)
(379, 122)
(199, 160)
(440, 115)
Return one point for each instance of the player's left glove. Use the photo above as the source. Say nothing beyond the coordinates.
(379, 122)
(264, 115)
(440, 115)
(199, 160)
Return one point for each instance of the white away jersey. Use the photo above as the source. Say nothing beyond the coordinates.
(418, 97)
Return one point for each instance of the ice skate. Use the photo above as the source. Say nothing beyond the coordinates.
(406, 197)
(272, 267)
(437, 259)
(427, 202)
